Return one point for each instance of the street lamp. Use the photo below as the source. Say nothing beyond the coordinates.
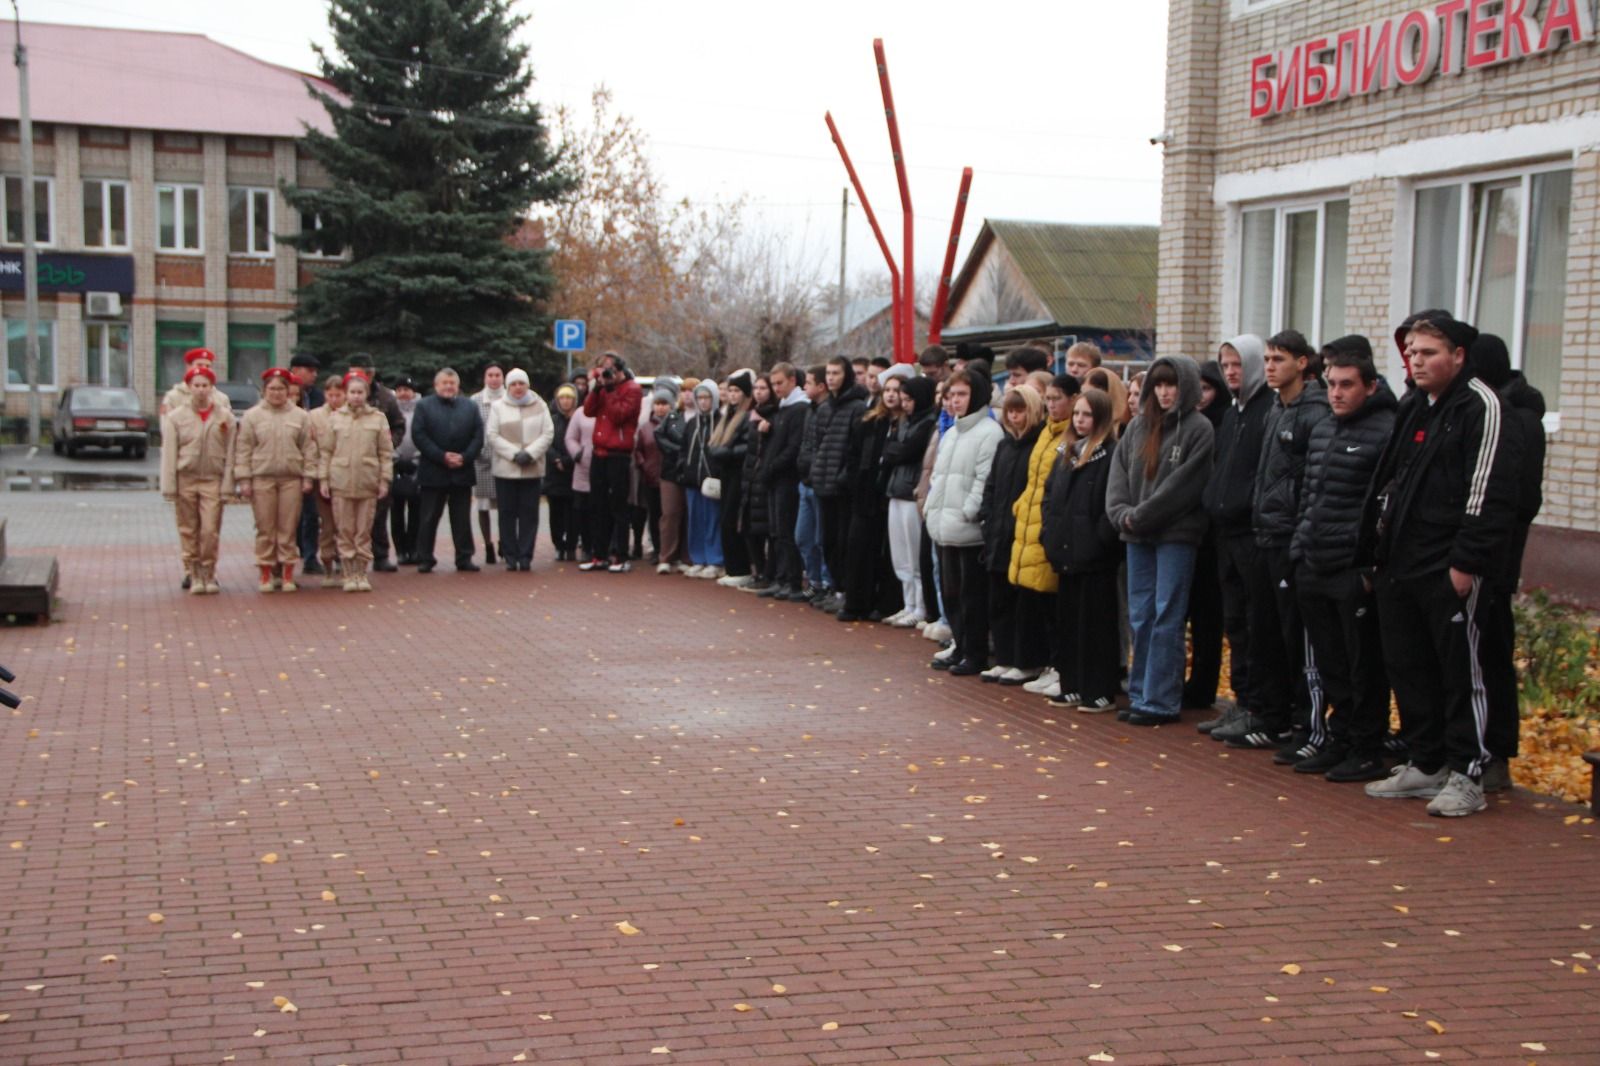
(30, 250)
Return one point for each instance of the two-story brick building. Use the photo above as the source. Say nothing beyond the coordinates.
(1331, 165)
(157, 160)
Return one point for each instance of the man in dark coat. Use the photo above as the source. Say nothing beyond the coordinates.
(780, 472)
(304, 366)
(448, 433)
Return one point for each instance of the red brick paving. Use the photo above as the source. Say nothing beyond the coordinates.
(491, 771)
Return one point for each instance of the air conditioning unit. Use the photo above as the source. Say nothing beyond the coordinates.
(103, 304)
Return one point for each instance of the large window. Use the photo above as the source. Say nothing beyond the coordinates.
(44, 209)
(172, 340)
(1494, 251)
(179, 226)
(1292, 269)
(249, 351)
(250, 221)
(17, 354)
(107, 354)
(105, 214)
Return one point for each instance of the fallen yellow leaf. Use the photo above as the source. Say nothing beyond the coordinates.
(1291, 969)
(1435, 1026)
(1173, 947)
(627, 929)
(779, 990)
(270, 857)
(741, 1007)
(828, 1027)
(1378, 988)
(108, 958)
(156, 917)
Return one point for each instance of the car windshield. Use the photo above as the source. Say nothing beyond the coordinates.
(108, 399)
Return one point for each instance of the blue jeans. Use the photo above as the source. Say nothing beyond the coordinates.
(1158, 603)
(808, 538)
(705, 533)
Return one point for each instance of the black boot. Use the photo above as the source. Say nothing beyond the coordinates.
(488, 552)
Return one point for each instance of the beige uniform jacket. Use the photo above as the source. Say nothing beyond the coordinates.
(178, 396)
(196, 448)
(274, 442)
(357, 458)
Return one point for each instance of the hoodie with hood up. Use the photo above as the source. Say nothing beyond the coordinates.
(697, 464)
(1230, 493)
(1164, 509)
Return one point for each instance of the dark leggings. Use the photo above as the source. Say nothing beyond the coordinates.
(563, 523)
(966, 600)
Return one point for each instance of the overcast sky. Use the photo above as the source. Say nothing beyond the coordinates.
(1052, 103)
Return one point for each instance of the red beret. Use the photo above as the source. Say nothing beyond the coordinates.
(194, 355)
(199, 372)
(276, 372)
(356, 374)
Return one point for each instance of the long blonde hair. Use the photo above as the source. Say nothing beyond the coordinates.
(1023, 398)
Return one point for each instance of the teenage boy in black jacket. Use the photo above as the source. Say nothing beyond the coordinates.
(780, 472)
(1446, 505)
(1332, 581)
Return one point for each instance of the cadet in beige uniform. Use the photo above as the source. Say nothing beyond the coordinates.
(273, 463)
(356, 468)
(322, 433)
(197, 442)
(178, 395)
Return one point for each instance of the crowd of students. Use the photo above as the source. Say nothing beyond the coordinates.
(1077, 536)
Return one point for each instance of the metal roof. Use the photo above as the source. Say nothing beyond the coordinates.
(1098, 277)
(148, 80)
(857, 313)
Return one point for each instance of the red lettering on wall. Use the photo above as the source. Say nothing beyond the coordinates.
(1479, 24)
(1346, 64)
(1376, 71)
(1260, 87)
(1416, 48)
(1514, 29)
(1314, 86)
(1449, 15)
(1288, 81)
(1566, 16)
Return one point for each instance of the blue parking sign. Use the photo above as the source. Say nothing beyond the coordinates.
(571, 333)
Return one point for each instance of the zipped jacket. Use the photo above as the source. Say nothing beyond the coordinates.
(1282, 467)
(1341, 458)
(274, 442)
(196, 447)
(1008, 478)
(1076, 532)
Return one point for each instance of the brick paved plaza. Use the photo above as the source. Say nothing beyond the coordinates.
(503, 818)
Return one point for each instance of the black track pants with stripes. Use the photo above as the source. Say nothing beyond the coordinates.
(1341, 620)
(1432, 646)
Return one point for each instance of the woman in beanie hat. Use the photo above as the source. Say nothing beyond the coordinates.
(705, 512)
(517, 437)
(558, 473)
(197, 441)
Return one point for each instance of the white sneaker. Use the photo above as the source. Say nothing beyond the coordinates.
(710, 572)
(1050, 691)
(664, 568)
(1460, 796)
(945, 654)
(894, 618)
(736, 582)
(994, 673)
(1043, 682)
(938, 632)
(1407, 782)
(903, 620)
(685, 568)
(922, 624)
(690, 571)
(1017, 676)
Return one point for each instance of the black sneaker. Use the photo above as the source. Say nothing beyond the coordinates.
(1322, 761)
(1260, 735)
(966, 668)
(1230, 717)
(1496, 776)
(1358, 767)
(1299, 747)
(1395, 747)
(1124, 714)
(1146, 718)
(1244, 723)
(1066, 699)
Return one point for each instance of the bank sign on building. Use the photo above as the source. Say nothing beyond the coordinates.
(1333, 165)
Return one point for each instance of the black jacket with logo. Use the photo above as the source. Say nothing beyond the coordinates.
(1341, 459)
(1282, 468)
(1445, 494)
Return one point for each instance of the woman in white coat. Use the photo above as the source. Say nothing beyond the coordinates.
(955, 495)
(518, 433)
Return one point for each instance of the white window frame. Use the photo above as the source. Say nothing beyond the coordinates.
(48, 346)
(49, 210)
(251, 192)
(1282, 209)
(104, 352)
(1467, 254)
(106, 185)
(179, 218)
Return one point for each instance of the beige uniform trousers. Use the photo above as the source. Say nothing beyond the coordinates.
(327, 535)
(276, 503)
(352, 517)
(199, 508)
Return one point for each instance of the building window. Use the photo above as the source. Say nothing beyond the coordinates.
(1495, 251)
(44, 209)
(1292, 261)
(249, 351)
(179, 226)
(172, 340)
(43, 132)
(318, 248)
(250, 221)
(258, 146)
(105, 214)
(103, 137)
(17, 354)
(178, 142)
(107, 354)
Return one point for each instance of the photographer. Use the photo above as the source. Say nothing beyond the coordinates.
(614, 400)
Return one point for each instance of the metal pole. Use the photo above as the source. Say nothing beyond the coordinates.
(30, 251)
(877, 231)
(844, 224)
(936, 326)
(908, 310)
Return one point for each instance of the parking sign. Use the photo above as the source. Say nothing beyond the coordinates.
(571, 333)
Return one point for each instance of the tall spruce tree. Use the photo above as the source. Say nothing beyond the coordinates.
(436, 155)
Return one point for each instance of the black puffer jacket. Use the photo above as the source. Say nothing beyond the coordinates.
(838, 431)
(1283, 464)
(904, 450)
(1341, 459)
(1008, 477)
(1077, 536)
(1525, 409)
(753, 502)
(780, 453)
(806, 456)
(672, 439)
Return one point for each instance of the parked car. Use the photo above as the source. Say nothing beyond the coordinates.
(242, 394)
(99, 416)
